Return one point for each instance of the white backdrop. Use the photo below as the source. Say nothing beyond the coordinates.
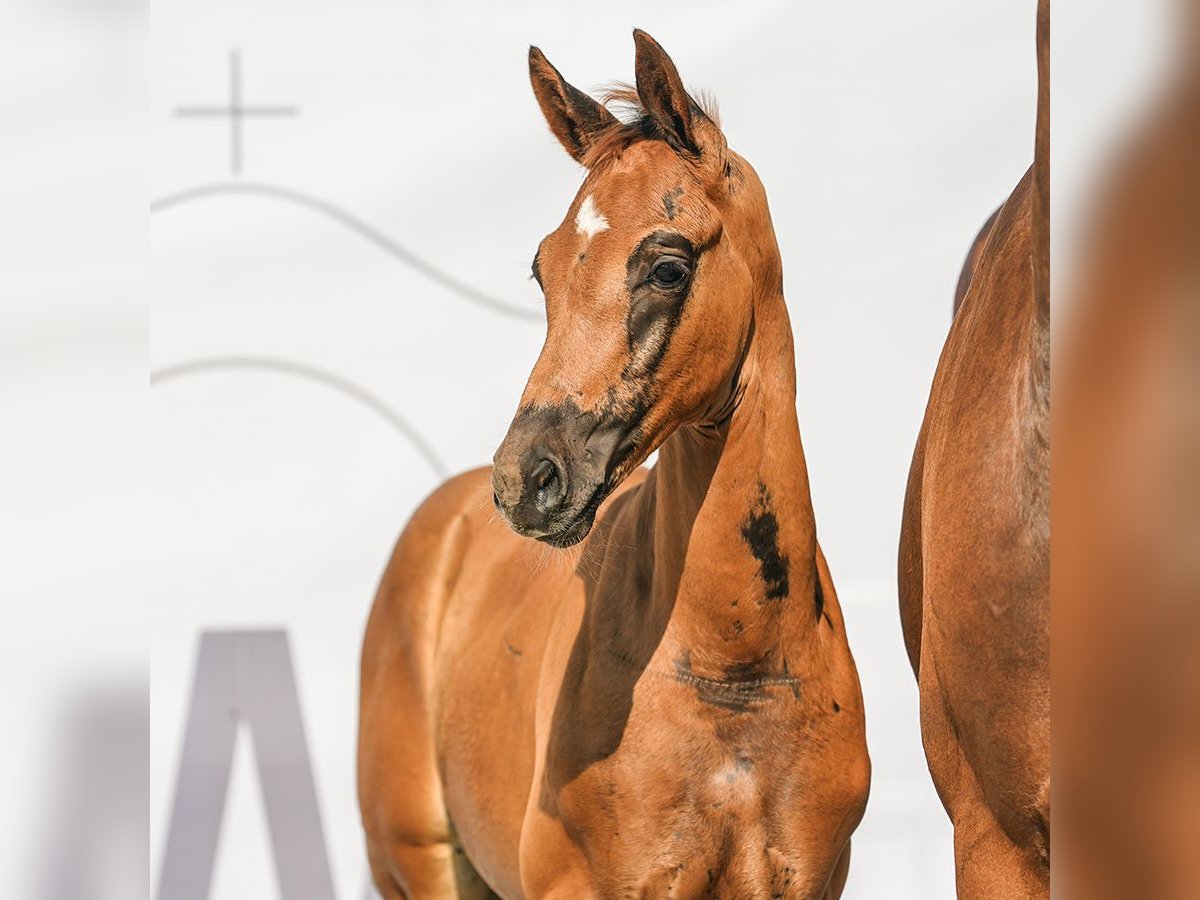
(299, 344)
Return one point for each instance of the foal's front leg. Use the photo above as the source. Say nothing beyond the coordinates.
(436, 872)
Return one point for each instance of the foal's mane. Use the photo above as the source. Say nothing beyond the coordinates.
(634, 124)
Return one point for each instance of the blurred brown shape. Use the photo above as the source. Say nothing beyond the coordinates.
(1126, 511)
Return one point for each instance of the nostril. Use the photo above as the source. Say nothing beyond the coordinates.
(543, 474)
(495, 500)
(546, 484)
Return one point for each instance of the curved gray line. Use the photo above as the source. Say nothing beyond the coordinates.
(211, 364)
(359, 227)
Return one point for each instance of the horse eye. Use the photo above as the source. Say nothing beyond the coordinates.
(668, 273)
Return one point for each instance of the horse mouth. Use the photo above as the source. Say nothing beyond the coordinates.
(580, 525)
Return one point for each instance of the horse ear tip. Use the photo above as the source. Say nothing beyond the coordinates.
(539, 66)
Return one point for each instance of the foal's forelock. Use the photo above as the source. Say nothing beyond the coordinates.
(633, 123)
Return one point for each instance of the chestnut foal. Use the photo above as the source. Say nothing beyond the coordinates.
(670, 707)
(975, 547)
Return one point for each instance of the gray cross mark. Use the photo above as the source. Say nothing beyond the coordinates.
(235, 111)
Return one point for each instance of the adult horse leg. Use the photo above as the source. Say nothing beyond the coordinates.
(988, 864)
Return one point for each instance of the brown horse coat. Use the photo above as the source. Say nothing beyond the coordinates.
(974, 551)
(668, 707)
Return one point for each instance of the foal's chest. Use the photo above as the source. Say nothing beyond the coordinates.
(700, 796)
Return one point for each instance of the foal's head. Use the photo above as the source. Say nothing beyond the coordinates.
(650, 284)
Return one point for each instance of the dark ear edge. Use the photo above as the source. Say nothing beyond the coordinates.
(575, 118)
(662, 94)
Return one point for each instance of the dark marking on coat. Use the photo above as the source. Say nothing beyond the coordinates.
(752, 670)
(819, 597)
(782, 883)
(593, 445)
(1041, 824)
(671, 201)
(536, 268)
(793, 683)
(734, 177)
(654, 311)
(761, 534)
(513, 650)
(745, 686)
(836, 707)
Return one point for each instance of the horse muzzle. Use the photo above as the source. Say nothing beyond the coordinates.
(553, 470)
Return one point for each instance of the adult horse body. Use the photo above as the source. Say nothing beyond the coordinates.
(669, 707)
(974, 564)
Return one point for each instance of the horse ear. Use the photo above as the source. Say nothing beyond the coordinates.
(662, 94)
(574, 117)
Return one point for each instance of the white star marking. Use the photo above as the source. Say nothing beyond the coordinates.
(589, 220)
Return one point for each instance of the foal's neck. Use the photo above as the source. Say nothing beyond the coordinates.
(734, 535)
